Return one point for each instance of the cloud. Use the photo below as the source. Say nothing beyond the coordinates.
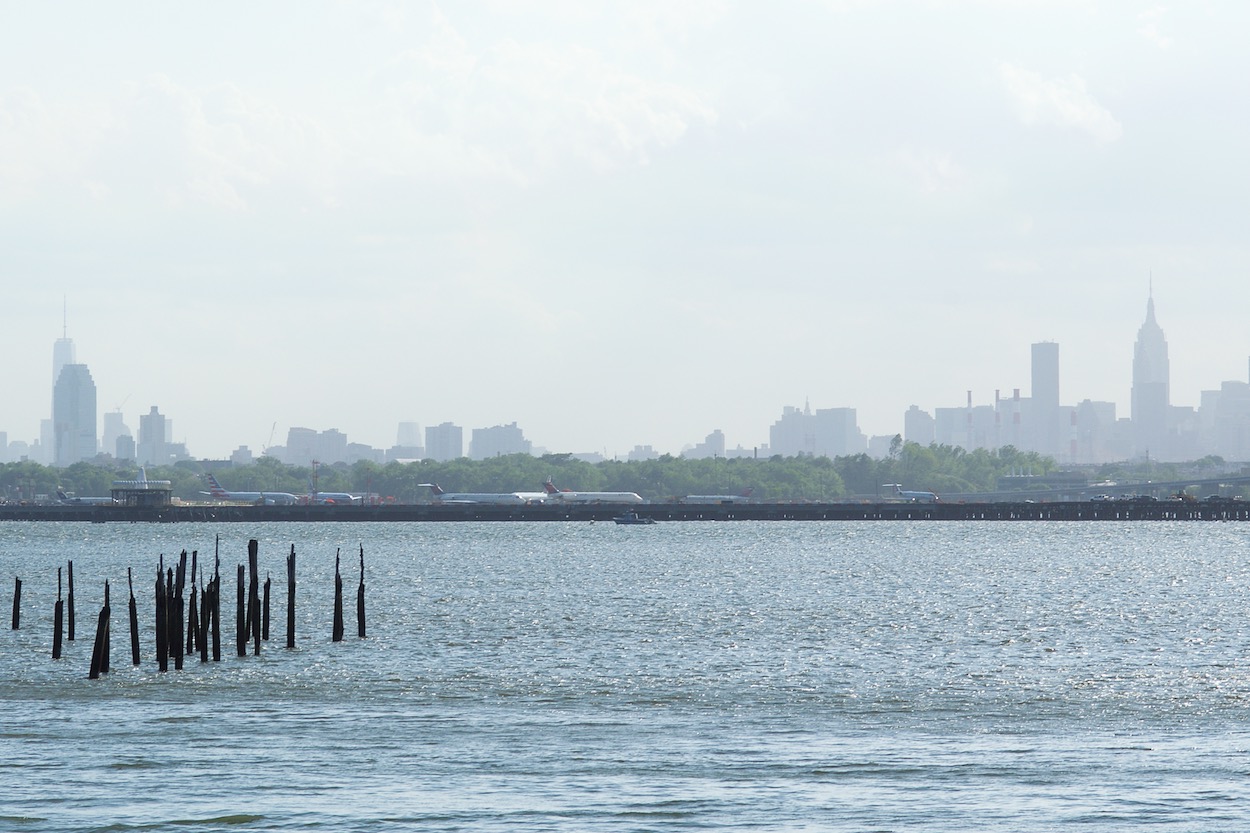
(935, 171)
(526, 107)
(1061, 102)
(1148, 27)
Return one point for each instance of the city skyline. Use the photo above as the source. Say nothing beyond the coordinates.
(1085, 432)
(614, 226)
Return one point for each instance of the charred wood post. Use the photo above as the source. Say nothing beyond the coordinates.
(162, 622)
(360, 597)
(58, 615)
(100, 651)
(175, 614)
(215, 608)
(206, 616)
(264, 626)
(290, 598)
(253, 594)
(17, 603)
(193, 611)
(240, 618)
(108, 631)
(338, 601)
(134, 619)
(69, 601)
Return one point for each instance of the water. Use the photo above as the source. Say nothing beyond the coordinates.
(700, 676)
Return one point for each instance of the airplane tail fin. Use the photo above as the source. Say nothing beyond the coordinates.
(215, 488)
(60, 495)
(436, 489)
(550, 488)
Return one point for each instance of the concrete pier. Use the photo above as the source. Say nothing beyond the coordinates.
(1116, 510)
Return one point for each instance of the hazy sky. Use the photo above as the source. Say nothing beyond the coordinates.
(613, 223)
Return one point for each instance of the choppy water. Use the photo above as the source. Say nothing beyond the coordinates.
(589, 677)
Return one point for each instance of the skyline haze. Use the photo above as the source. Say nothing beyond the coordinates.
(614, 227)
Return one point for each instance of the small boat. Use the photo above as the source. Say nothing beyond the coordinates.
(632, 517)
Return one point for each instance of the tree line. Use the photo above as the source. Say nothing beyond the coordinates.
(942, 469)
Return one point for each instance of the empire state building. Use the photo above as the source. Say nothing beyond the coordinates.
(1151, 398)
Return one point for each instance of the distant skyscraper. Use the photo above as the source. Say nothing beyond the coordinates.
(1045, 399)
(408, 435)
(114, 429)
(444, 442)
(74, 415)
(153, 448)
(1151, 395)
(496, 441)
(62, 354)
(918, 426)
(830, 432)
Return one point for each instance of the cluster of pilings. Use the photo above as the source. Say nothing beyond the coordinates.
(188, 616)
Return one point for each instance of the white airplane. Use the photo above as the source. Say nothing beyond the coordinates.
(742, 497)
(500, 498)
(915, 497)
(266, 498)
(335, 498)
(61, 497)
(569, 496)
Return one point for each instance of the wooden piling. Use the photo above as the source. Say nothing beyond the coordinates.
(253, 594)
(337, 635)
(240, 619)
(193, 612)
(100, 650)
(206, 614)
(17, 603)
(57, 618)
(360, 597)
(108, 632)
(290, 598)
(134, 620)
(264, 628)
(69, 601)
(175, 614)
(162, 622)
(215, 610)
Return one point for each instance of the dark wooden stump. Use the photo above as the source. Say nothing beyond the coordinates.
(69, 602)
(264, 624)
(17, 603)
(290, 598)
(58, 614)
(100, 650)
(360, 597)
(240, 619)
(193, 610)
(162, 623)
(134, 620)
(337, 633)
(253, 594)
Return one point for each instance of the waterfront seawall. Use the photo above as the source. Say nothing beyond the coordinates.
(1166, 510)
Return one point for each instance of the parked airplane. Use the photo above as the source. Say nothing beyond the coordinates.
(569, 496)
(335, 498)
(916, 497)
(501, 498)
(742, 497)
(61, 497)
(266, 498)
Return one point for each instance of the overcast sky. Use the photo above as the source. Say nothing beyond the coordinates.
(613, 223)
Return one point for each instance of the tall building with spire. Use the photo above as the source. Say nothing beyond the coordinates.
(62, 355)
(1151, 392)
